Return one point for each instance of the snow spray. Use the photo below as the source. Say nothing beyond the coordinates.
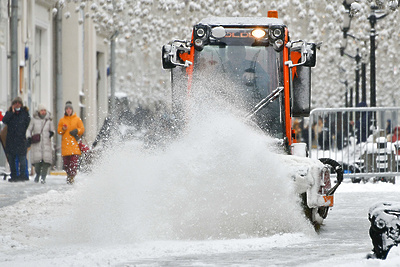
(221, 179)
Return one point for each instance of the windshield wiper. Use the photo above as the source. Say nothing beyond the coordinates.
(264, 102)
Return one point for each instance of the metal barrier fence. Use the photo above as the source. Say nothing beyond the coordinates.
(365, 141)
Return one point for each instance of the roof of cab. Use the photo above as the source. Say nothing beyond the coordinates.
(241, 21)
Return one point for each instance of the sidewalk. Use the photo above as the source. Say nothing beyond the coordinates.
(10, 193)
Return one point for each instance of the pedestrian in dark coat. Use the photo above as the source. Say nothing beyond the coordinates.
(17, 120)
(42, 151)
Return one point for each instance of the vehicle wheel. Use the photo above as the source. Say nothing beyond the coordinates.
(315, 215)
(355, 180)
(323, 212)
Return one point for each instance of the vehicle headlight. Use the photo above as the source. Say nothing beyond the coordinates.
(200, 32)
(258, 33)
(277, 33)
(198, 42)
(278, 43)
(277, 36)
(380, 224)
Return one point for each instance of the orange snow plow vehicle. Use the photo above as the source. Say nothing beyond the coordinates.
(254, 65)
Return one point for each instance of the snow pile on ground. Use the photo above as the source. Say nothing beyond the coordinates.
(220, 181)
(221, 190)
(31, 235)
(368, 187)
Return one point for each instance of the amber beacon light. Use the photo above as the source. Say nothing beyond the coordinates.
(272, 14)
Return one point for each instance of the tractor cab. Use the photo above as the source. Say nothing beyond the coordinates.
(246, 62)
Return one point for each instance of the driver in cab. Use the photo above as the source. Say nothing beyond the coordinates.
(247, 72)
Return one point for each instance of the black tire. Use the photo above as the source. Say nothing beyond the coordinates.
(314, 215)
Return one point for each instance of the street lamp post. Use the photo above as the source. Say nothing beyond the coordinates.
(358, 59)
(348, 96)
(373, 20)
(347, 101)
(346, 23)
(363, 82)
(351, 97)
(360, 63)
(346, 27)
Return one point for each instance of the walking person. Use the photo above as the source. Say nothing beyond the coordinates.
(39, 134)
(17, 120)
(71, 128)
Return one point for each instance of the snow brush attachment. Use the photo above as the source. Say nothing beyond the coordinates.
(339, 173)
(385, 228)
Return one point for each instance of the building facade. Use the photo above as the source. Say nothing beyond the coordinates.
(61, 58)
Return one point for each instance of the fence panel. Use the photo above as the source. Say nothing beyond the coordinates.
(364, 140)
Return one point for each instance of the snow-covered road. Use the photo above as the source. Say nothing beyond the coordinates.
(343, 240)
(221, 196)
(31, 234)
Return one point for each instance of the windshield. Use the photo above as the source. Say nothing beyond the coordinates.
(244, 75)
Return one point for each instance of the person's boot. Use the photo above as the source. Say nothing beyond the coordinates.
(37, 179)
(44, 179)
(70, 179)
(20, 178)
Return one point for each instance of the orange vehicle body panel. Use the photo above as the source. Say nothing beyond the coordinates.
(286, 82)
(189, 70)
(329, 199)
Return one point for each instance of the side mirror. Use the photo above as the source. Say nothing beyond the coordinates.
(310, 55)
(170, 54)
(302, 92)
(167, 57)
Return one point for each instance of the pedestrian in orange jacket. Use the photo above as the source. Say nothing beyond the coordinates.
(71, 128)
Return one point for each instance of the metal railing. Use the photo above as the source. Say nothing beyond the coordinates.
(365, 141)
